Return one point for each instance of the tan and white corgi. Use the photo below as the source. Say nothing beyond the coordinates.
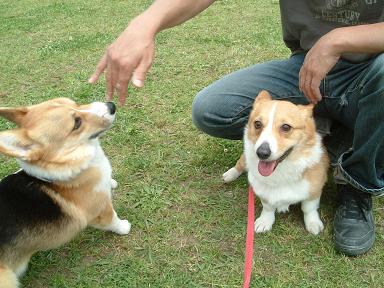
(64, 183)
(285, 160)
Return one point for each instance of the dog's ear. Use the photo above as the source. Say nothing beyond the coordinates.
(16, 143)
(262, 96)
(307, 110)
(15, 115)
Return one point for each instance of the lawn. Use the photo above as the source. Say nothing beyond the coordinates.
(188, 228)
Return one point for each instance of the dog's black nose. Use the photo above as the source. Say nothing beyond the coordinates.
(263, 152)
(111, 107)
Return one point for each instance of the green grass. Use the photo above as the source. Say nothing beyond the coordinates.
(188, 227)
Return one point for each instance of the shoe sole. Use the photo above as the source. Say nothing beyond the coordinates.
(355, 250)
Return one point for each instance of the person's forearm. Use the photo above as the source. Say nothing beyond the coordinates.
(358, 39)
(164, 14)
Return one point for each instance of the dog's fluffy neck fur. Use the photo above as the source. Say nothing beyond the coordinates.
(65, 173)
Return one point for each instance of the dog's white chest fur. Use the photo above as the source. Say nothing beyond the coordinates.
(101, 162)
(280, 196)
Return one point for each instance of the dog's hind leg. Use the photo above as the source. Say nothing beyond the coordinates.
(234, 173)
(109, 221)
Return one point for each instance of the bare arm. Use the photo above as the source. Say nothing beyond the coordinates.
(359, 39)
(164, 14)
(329, 48)
(131, 55)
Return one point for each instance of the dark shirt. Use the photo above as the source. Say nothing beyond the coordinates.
(305, 21)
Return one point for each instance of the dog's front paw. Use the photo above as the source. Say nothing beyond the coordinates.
(314, 227)
(114, 184)
(123, 227)
(231, 175)
(264, 224)
(313, 223)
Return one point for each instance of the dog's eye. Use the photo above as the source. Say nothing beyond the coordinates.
(258, 124)
(286, 127)
(78, 122)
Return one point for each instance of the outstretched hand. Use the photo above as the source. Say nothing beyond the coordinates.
(126, 60)
(320, 59)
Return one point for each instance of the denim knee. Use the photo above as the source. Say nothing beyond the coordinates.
(216, 114)
(374, 79)
(198, 112)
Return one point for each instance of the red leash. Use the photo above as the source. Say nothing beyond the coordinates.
(250, 236)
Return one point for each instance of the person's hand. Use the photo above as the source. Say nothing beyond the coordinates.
(320, 59)
(127, 59)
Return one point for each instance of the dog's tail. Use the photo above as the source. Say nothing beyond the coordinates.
(8, 279)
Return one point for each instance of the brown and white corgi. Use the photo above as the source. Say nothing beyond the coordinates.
(64, 183)
(285, 160)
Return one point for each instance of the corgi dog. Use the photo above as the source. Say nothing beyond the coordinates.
(64, 183)
(285, 160)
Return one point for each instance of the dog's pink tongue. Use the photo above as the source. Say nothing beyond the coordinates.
(266, 167)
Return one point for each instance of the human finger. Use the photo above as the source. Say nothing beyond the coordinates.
(99, 69)
(305, 84)
(141, 70)
(315, 89)
(124, 77)
(112, 80)
(302, 79)
(126, 67)
(122, 91)
(308, 88)
(108, 81)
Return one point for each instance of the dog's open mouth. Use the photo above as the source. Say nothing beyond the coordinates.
(266, 168)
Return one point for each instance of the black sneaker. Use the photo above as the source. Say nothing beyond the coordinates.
(353, 224)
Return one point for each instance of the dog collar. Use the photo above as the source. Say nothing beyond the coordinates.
(34, 176)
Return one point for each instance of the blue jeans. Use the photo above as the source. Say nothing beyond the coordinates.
(351, 113)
